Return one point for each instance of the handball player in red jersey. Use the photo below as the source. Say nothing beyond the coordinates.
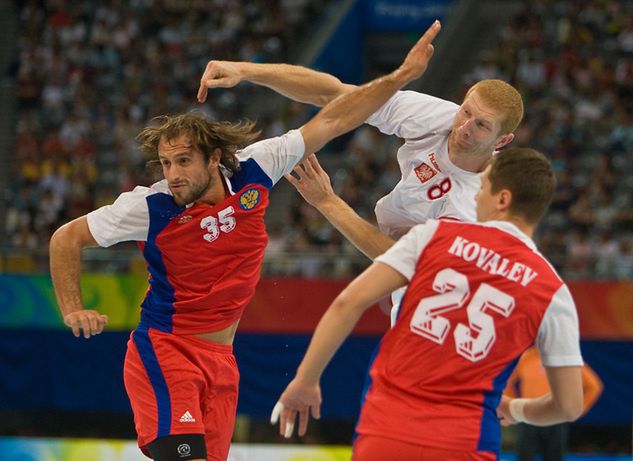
(201, 231)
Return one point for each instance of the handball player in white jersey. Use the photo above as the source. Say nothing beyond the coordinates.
(445, 148)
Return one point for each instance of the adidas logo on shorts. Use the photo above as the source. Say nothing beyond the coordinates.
(187, 418)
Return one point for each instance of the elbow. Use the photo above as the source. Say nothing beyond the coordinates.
(571, 411)
(346, 304)
(58, 236)
(339, 89)
(341, 302)
(571, 416)
(320, 130)
(71, 235)
(323, 100)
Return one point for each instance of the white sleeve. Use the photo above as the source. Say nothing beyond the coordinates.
(404, 254)
(276, 156)
(412, 115)
(558, 336)
(127, 219)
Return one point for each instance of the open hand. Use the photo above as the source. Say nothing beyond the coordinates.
(417, 60)
(312, 182)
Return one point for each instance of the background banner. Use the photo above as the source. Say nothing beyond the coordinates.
(280, 305)
(42, 362)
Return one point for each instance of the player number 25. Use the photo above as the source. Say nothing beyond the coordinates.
(226, 224)
(472, 341)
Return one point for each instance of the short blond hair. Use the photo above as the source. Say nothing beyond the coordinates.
(502, 98)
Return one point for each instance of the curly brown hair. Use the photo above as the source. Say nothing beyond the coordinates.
(205, 136)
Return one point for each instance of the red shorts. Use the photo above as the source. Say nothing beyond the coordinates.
(181, 384)
(374, 448)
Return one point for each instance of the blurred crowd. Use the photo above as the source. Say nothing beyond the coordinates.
(88, 78)
(90, 75)
(573, 64)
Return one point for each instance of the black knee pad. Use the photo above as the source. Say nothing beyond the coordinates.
(178, 448)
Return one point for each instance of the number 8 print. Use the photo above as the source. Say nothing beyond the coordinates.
(454, 290)
(439, 190)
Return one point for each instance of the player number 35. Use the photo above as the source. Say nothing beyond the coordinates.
(224, 222)
(472, 341)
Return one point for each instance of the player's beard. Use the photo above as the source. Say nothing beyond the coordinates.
(192, 192)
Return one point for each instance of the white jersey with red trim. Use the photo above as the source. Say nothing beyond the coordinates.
(431, 185)
(204, 261)
(479, 295)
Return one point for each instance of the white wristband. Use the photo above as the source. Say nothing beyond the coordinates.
(517, 410)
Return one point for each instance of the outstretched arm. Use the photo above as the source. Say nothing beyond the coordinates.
(313, 183)
(65, 265)
(352, 108)
(295, 82)
(303, 394)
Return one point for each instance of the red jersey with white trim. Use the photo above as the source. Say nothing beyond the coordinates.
(479, 295)
(204, 261)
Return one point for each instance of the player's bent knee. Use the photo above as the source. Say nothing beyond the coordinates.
(182, 447)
